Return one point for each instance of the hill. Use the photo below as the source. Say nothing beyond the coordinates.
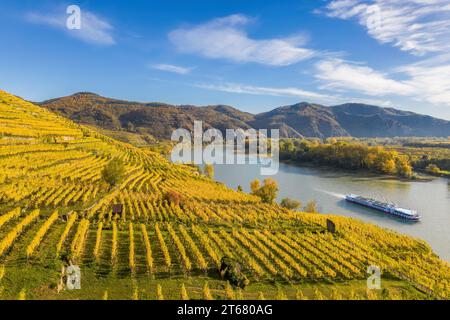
(352, 119)
(304, 119)
(174, 229)
(155, 119)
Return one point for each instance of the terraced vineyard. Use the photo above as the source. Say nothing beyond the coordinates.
(55, 209)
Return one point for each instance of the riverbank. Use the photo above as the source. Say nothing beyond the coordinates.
(425, 177)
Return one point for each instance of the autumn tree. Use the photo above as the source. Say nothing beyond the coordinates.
(433, 169)
(290, 204)
(388, 167)
(311, 207)
(208, 170)
(254, 186)
(404, 169)
(113, 171)
(267, 192)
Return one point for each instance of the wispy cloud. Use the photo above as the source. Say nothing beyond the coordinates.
(93, 30)
(337, 74)
(226, 38)
(171, 68)
(424, 81)
(416, 26)
(268, 91)
(299, 94)
(431, 82)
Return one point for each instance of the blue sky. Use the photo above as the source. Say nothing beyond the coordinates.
(254, 55)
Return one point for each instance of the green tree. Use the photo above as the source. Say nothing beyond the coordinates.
(290, 204)
(239, 188)
(113, 171)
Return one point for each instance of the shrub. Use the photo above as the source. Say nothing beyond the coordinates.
(174, 197)
(231, 271)
(290, 204)
(311, 207)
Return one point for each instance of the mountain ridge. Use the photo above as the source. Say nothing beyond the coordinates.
(298, 120)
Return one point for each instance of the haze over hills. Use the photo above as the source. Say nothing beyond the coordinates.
(302, 119)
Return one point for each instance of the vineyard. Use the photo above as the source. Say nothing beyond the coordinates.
(56, 210)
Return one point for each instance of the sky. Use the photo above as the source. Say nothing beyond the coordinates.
(253, 55)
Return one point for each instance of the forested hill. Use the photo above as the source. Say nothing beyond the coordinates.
(155, 119)
(303, 119)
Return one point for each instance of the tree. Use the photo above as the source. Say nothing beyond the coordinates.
(267, 192)
(254, 186)
(113, 171)
(389, 167)
(290, 204)
(130, 127)
(311, 207)
(331, 140)
(433, 169)
(208, 170)
(404, 169)
(239, 188)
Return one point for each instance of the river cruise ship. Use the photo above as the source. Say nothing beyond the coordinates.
(387, 208)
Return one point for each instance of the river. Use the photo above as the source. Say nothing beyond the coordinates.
(328, 187)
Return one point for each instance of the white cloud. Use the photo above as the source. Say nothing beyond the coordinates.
(430, 82)
(226, 38)
(93, 28)
(268, 91)
(416, 26)
(337, 74)
(425, 81)
(300, 94)
(171, 68)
